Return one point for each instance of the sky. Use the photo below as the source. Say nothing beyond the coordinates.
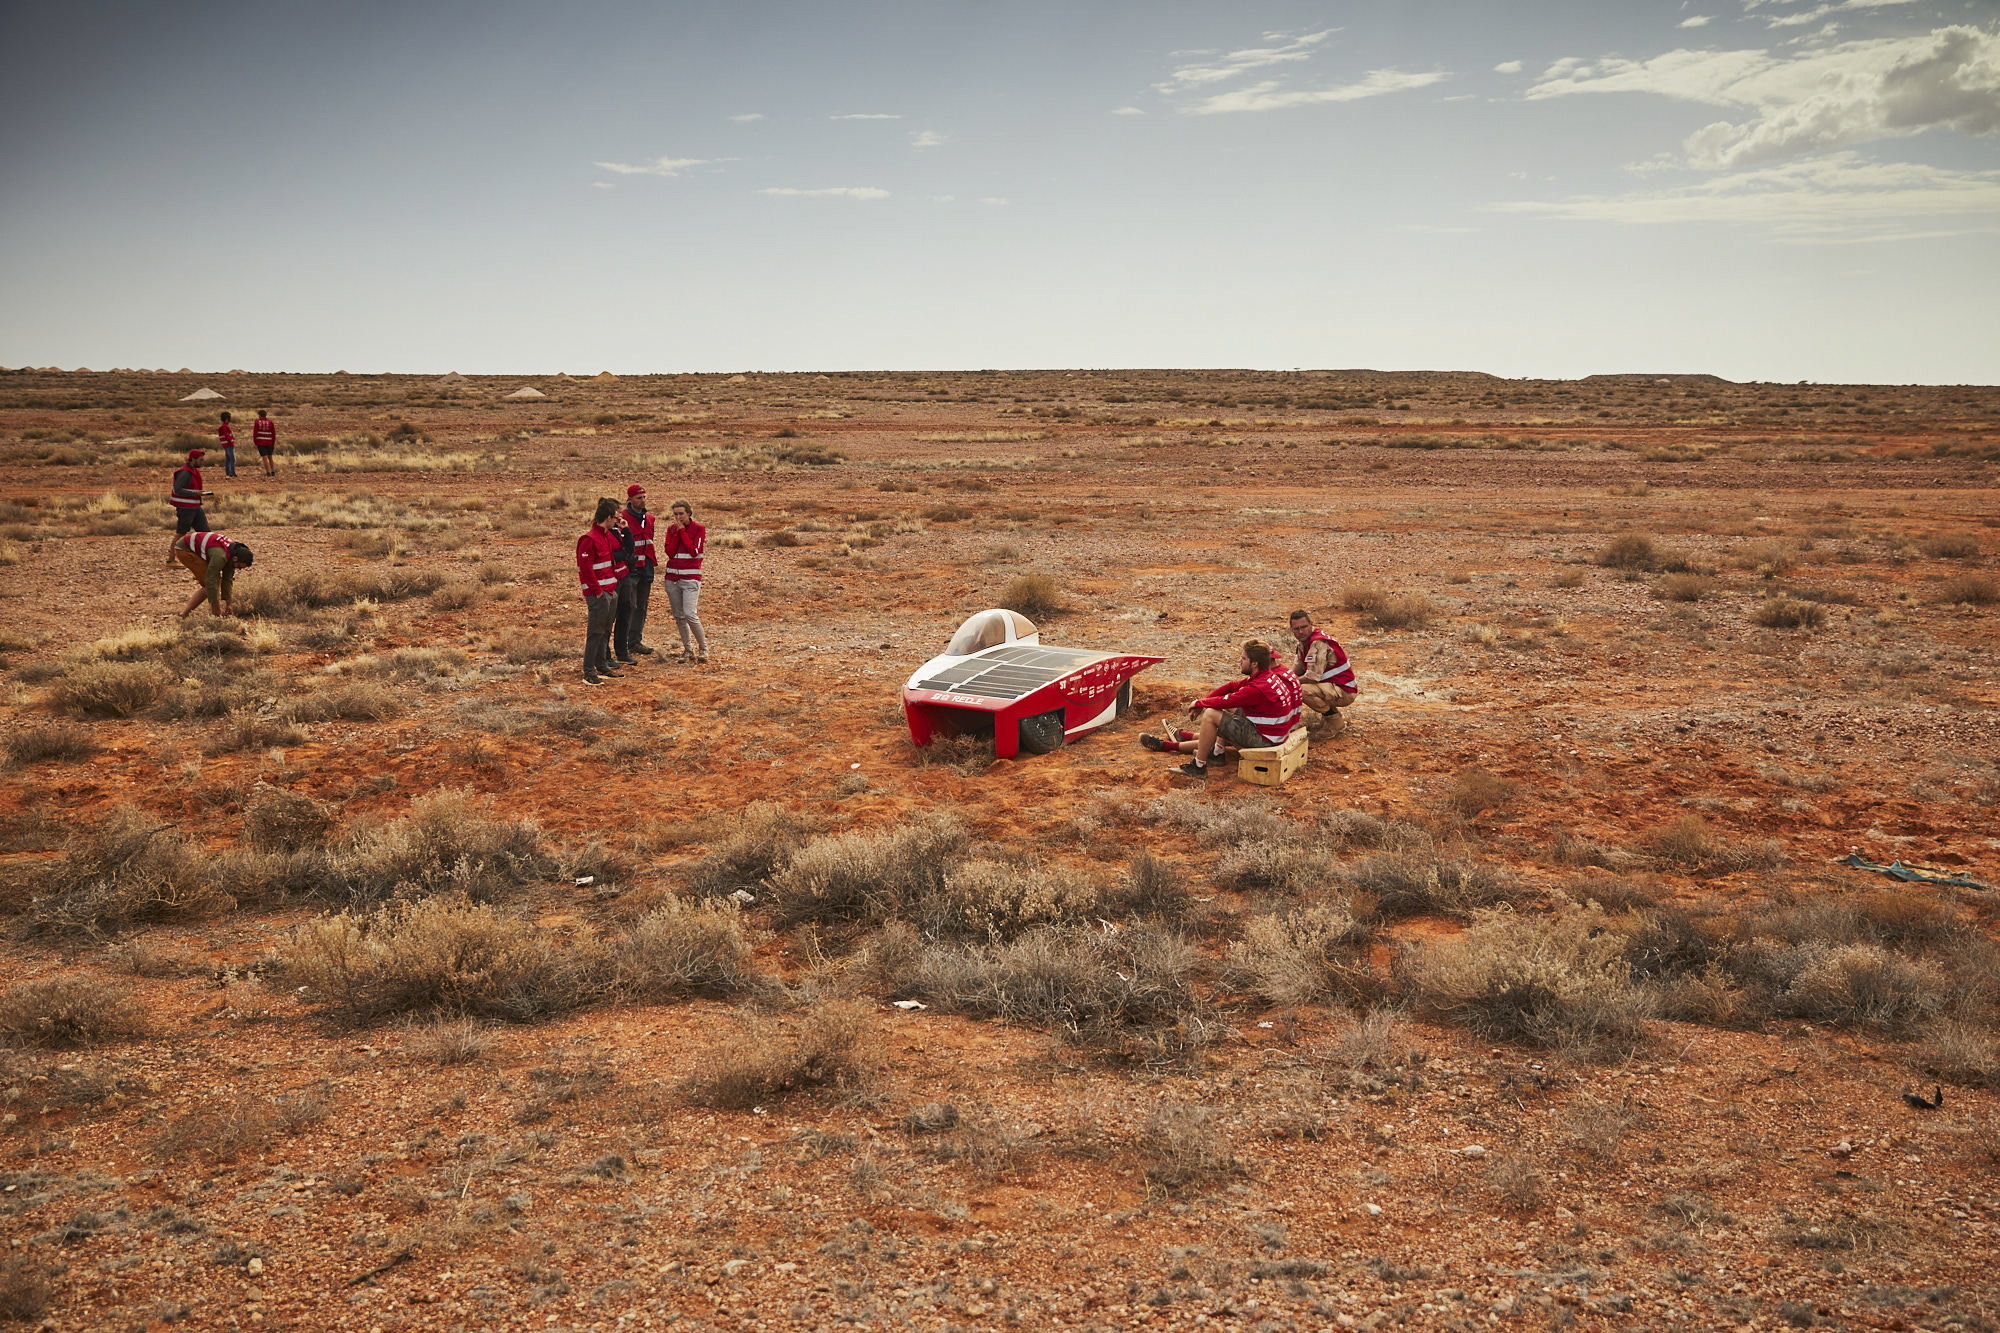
(1774, 190)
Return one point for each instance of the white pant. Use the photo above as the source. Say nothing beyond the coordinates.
(684, 599)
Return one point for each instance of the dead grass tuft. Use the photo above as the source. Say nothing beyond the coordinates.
(1557, 982)
(362, 701)
(1406, 885)
(1969, 590)
(1037, 596)
(1306, 954)
(130, 868)
(42, 741)
(110, 689)
(275, 819)
(1387, 610)
(684, 948)
(766, 838)
(1475, 792)
(233, 1126)
(27, 1289)
(868, 878)
(1685, 588)
(1629, 550)
(70, 1010)
(1950, 546)
(1183, 1147)
(1690, 845)
(824, 1051)
(1790, 613)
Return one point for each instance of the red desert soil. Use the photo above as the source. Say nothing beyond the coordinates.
(1344, 1153)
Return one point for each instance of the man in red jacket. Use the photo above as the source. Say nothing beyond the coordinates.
(597, 568)
(1326, 677)
(264, 434)
(1259, 710)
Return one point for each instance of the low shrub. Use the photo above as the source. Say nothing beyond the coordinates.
(110, 689)
(683, 948)
(235, 1125)
(1304, 955)
(129, 868)
(1864, 985)
(766, 838)
(445, 956)
(825, 1051)
(41, 741)
(997, 900)
(1685, 588)
(73, 1009)
(867, 878)
(1181, 1147)
(275, 819)
(1558, 982)
(296, 595)
(1152, 888)
(1629, 550)
(27, 1289)
(1403, 610)
(1950, 546)
(1037, 596)
(1690, 845)
(1790, 613)
(1475, 792)
(446, 843)
(1969, 590)
(362, 701)
(1404, 885)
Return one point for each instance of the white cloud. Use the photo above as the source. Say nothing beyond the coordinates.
(1837, 197)
(926, 139)
(866, 115)
(1126, 111)
(1508, 67)
(998, 201)
(1818, 12)
(603, 185)
(748, 117)
(1287, 49)
(1696, 21)
(1269, 96)
(662, 166)
(1837, 96)
(831, 192)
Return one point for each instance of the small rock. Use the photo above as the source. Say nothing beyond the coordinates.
(1372, 1209)
(734, 1266)
(255, 1267)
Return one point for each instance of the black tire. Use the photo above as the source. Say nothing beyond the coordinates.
(1124, 698)
(1042, 733)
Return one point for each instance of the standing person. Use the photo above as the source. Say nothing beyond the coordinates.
(213, 559)
(264, 434)
(644, 559)
(185, 500)
(1326, 677)
(683, 543)
(227, 434)
(1257, 711)
(596, 565)
(621, 616)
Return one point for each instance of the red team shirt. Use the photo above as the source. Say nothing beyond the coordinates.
(1269, 700)
(264, 433)
(683, 547)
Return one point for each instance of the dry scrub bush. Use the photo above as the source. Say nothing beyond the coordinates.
(1305, 954)
(295, 596)
(1950, 546)
(128, 869)
(1691, 846)
(1968, 590)
(1181, 1147)
(74, 1009)
(448, 1041)
(1129, 994)
(1222, 823)
(359, 702)
(1401, 610)
(1558, 982)
(1037, 596)
(1966, 1053)
(683, 948)
(997, 900)
(863, 878)
(38, 742)
(446, 956)
(1685, 588)
(764, 1064)
(277, 820)
(446, 843)
(234, 1125)
(110, 689)
(26, 1289)
(1151, 888)
(1402, 885)
(538, 648)
(1861, 985)
(1790, 613)
(1630, 550)
(766, 839)
(1475, 792)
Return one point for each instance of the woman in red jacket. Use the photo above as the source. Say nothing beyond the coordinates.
(1243, 714)
(680, 568)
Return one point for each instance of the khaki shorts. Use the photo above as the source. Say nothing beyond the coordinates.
(1324, 698)
(1236, 729)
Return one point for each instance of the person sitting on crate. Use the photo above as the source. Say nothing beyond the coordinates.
(1326, 677)
(1260, 709)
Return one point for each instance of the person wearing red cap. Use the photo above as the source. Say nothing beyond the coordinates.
(185, 499)
(641, 559)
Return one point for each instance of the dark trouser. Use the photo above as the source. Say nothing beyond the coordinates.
(190, 520)
(601, 611)
(229, 461)
(621, 621)
(635, 595)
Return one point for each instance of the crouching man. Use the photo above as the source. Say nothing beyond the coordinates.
(1326, 677)
(213, 559)
(1259, 710)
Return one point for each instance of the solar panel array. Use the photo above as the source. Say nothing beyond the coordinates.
(1008, 672)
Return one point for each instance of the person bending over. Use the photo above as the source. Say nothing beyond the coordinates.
(213, 559)
(1260, 709)
(1326, 677)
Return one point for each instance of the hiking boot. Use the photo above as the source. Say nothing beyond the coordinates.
(643, 649)
(1192, 770)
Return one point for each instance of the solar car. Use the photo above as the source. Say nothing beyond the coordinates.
(996, 677)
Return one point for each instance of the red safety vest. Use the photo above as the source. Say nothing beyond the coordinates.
(597, 561)
(1338, 671)
(642, 537)
(264, 432)
(201, 543)
(193, 483)
(1269, 700)
(684, 547)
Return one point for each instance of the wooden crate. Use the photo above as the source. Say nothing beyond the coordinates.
(1269, 765)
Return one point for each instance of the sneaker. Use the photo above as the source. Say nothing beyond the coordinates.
(1192, 770)
(1152, 742)
(643, 649)
(593, 680)
(701, 659)
(627, 661)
